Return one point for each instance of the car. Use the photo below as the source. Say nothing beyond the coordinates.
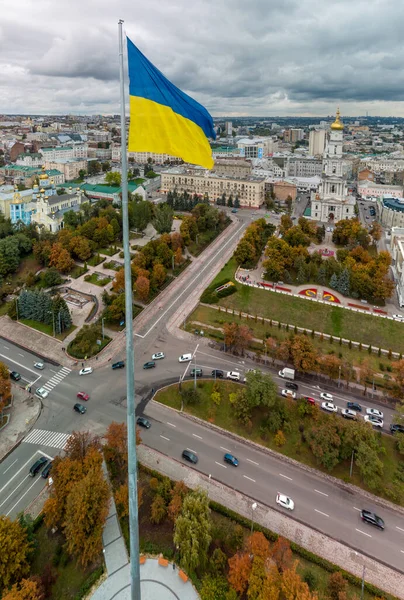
(291, 386)
(374, 412)
(218, 373)
(326, 396)
(118, 365)
(149, 365)
(185, 358)
(83, 396)
(375, 421)
(15, 376)
(37, 466)
(234, 375)
(372, 519)
(39, 365)
(86, 371)
(285, 501)
(190, 456)
(309, 399)
(232, 460)
(143, 422)
(398, 317)
(158, 356)
(46, 470)
(288, 394)
(329, 406)
(395, 427)
(354, 406)
(79, 408)
(234, 210)
(196, 373)
(347, 413)
(41, 393)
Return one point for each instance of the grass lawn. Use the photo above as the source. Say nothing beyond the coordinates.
(95, 260)
(95, 348)
(93, 278)
(110, 251)
(77, 271)
(29, 264)
(4, 306)
(335, 321)
(295, 447)
(48, 329)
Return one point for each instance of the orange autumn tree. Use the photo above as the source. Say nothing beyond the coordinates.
(27, 589)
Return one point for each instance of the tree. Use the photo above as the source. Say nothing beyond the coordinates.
(163, 218)
(158, 510)
(140, 214)
(260, 390)
(178, 494)
(79, 444)
(94, 167)
(239, 571)
(51, 277)
(116, 448)
(293, 588)
(213, 588)
(60, 258)
(370, 466)
(192, 530)
(325, 442)
(79, 246)
(142, 287)
(285, 224)
(344, 282)
(304, 354)
(113, 178)
(336, 585)
(245, 254)
(159, 274)
(26, 589)
(118, 285)
(105, 166)
(15, 551)
(334, 282)
(281, 554)
(5, 385)
(178, 259)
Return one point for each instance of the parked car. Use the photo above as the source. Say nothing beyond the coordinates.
(149, 365)
(354, 406)
(234, 375)
(395, 427)
(190, 456)
(232, 460)
(375, 421)
(83, 396)
(291, 386)
(196, 373)
(218, 373)
(158, 356)
(398, 317)
(39, 365)
(374, 412)
(329, 406)
(79, 408)
(288, 394)
(46, 470)
(185, 358)
(41, 393)
(15, 376)
(326, 396)
(347, 413)
(118, 365)
(37, 466)
(372, 519)
(309, 400)
(285, 501)
(86, 371)
(143, 422)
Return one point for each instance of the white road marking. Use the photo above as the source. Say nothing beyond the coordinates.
(52, 371)
(222, 360)
(253, 462)
(23, 467)
(253, 480)
(171, 424)
(16, 460)
(322, 493)
(402, 551)
(6, 347)
(225, 449)
(357, 508)
(44, 437)
(20, 355)
(285, 476)
(360, 531)
(21, 497)
(165, 438)
(18, 364)
(220, 465)
(399, 528)
(321, 513)
(197, 436)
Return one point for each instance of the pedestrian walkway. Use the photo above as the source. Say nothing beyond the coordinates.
(60, 375)
(42, 437)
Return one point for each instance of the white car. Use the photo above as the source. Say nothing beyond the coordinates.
(185, 358)
(325, 396)
(235, 375)
(329, 406)
(398, 317)
(158, 356)
(374, 412)
(285, 501)
(41, 393)
(375, 421)
(39, 365)
(288, 394)
(347, 413)
(86, 371)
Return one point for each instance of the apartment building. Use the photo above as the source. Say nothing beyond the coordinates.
(233, 167)
(304, 167)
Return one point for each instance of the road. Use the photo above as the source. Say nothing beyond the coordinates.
(320, 504)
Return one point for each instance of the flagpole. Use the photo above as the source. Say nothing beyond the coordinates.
(130, 352)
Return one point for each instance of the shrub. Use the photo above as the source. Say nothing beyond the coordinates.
(310, 578)
(280, 439)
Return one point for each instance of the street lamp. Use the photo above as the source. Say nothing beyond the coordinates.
(102, 328)
(339, 376)
(16, 306)
(253, 508)
(363, 578)
(53, 320)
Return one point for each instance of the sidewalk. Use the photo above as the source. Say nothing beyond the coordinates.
(24, 412)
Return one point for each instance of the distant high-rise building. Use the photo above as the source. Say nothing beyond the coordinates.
(229, 128)
(317, 142)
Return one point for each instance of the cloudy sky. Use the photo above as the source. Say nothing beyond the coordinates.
(237, 57)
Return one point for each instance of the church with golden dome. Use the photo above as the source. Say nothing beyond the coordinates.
(332, 202)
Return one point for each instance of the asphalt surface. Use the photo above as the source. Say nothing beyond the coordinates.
(318, 503)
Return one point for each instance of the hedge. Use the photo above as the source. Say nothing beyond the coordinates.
(210, 297)
(90, 581)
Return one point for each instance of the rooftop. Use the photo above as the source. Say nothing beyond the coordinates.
(396, 204)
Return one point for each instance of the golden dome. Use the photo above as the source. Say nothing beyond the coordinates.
(337, 125)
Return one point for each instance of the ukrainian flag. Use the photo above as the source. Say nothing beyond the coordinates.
(162, 118)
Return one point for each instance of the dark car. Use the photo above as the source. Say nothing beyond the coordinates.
(196, 373)
(291, 386)
(354, 406)
(79, 408)
(143, 422)
(15, 376)
(372, 519)
(232, 460)
(395, 427)
(37, 466)
(118, 365)
(149, 365)
(218, 373)
(46, 471)
(190, 456)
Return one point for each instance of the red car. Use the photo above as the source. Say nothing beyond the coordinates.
(83, 396)
(310, 400)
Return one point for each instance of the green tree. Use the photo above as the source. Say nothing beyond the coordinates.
(214, 588)
(163, 218)
(370, 466)
(325, 442)
(260, 390)
(82, 173)
(113, 178)
(140, 214)
(94, 167)
(192, 530)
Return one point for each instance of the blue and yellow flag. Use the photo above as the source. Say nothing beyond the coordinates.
(162, 118)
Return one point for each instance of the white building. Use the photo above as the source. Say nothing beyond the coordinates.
(258, 147)
(299, 166)
(397, 254)
(64, 152)
(369, 189)
(30, 160)
(229, 128)
(317, 139)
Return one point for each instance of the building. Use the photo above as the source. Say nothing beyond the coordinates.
(397, 254)
(15, 150)
(317, 139)
(64, 152)
(233, 167)
(29, 160)
(157, 159)
(293, 135)
(257, 147)
(50, 210)
(70, 168)
(298, 166)
(283, 189)
(332, 201)
(366, 175)
(391, 210)
(109, 192)
(229, 128)
(250, 191)
(370, 189)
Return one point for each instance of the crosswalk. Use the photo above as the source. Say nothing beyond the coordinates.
(60, 375)
(42, 437)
